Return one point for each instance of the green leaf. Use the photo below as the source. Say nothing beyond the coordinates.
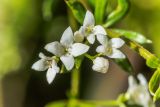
(154, 81)
(118, 13)
(153, 61)
(77, 9)
(100, 10)
(137, 37)
(57, 104)
(124, 64)
(157, 95)
(92, 3)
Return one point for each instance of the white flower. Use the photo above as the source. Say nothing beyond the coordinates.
(100, 64)
(89, 30)
(66, 49)
(138, 93)
(110, 48)
(46, 63)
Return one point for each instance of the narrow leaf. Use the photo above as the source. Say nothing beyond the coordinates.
(100, 10)
(118, 13)
(154, 81)
(77, 9)
(137, 37)
(157, 95)
(153, 61)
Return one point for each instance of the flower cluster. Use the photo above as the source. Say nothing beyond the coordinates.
(138, 93)
(75, 44)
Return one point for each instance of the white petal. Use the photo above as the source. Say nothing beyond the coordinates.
(102, 39)
(82, 30)
(78, 49)
(89, 19)
(99, 30)
(51, 73)
(142, 79)
(40, 65)
(41, 55)
(101, 49)
(56, 48)
(132, 82)
(91, 38)
(68, 61)
(116, 54)
(117, 42)
(67, 37)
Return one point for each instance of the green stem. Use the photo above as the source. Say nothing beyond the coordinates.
(92, 57)
(75, 83)
(104, 103)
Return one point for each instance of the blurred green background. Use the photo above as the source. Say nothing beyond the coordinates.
(26, 26)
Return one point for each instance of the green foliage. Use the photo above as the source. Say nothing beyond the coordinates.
(132, 39)
(137, 37)
(157, 95)
(118, 13)
(154, 81)
(100, 9)
(80, 103)
(151, 60)
(77, 9)
(92, 3)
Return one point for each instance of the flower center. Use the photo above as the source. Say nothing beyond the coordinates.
(49, 63)
(109, 50)
(89, 29)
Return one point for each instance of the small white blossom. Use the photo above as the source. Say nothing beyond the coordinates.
(89, 30)
(138, 93)
(110, 48)
(100, 64)
(46, 63)
(66, 49)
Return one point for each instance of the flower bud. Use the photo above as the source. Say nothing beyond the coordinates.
(100, 64)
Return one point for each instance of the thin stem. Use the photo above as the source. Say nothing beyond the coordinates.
(92, 57)
(75, 83)
(104, 103)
